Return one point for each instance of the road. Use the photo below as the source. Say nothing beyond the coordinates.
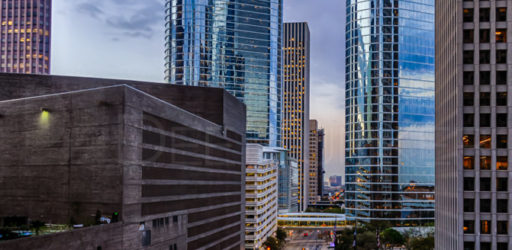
(297, 240)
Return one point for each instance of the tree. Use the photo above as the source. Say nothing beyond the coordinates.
(392, 237)
(273, 243)
(421, 243)
(345, 239)
(281, 235)
(37, 225)
(366, 241)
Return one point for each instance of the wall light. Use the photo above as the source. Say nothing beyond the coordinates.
(45, 110)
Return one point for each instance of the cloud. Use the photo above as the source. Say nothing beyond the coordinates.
(90, 9)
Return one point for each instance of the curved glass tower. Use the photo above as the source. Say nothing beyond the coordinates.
(235, 45)
(390, 111)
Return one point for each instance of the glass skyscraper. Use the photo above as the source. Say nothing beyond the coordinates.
(235, 45)
(390, 111)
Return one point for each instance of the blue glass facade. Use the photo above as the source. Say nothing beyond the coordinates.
(390, 111)
(235, 45)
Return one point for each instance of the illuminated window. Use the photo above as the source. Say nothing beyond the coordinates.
(469, 227)
(501, 35)
(468, 15)
(485, 162)
(501, 163)
(469, 162)
(485, 227)
(469, 141)
(485, 141)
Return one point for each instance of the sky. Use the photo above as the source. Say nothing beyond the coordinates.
(124, 39)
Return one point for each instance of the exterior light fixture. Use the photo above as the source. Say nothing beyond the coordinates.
(45, 110)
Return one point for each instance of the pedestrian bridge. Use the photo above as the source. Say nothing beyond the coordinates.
(324, 221)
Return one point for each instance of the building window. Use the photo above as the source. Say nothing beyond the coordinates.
(485, 227)
(469, 205)
(485, 141)
(484, 36)
(469, 99)
(485, 120)
(502, 227)
(501, 98)
(484, 14)
(469, 120)
(469, 245)
(485, 246)
(469, 77)
(485, 77)
(502, 184)
(468, 57)
(501, 35)
(485, 184)
(469, 162)
(485, 205)
(469, 141)
(468, 36)
(502, 246)
(501, 120)
(501, 163)
(501, 77)
(469, 227)
(502, 206)
(485, 162)
(485, 99)
(469, 184)
(501, 14)
(501, 56)
(485, 56)
(468, 15)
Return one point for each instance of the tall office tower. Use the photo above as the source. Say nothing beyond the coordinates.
(261, 194)
(288, 184)
(235, 45)
(313, 161)
(320, 155)
(295, 125)
(473, 66)
(390, 113)
(25, 36)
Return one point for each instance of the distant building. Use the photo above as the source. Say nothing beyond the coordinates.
(295, 122)
(335, 181)
(164, 161)
(25, 32)
(314, 161)
(288, 183)
(321, 170)
(473, 125)
(261, 206)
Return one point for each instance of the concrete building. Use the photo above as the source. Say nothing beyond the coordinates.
(321, 170)
(235, 45)
(390, 114)
(335, 181)
(473, 72)
(25, 36)
(295, 124)
(314, 161)
(164, 161)
(261, 194)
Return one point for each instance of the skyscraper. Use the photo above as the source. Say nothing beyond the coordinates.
(313, 161)
(295, 125)
(473, 65)
(390, 118)
(321, 170)
(25, 30)
(235, 45)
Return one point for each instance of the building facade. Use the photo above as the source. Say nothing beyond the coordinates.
(314, 161)
(25, 34)
(235, 45)
(390, 116)
(321, 170)
(288, 183)
(473, 66)
(262, 164)
(295, 122)
(168, 172)
(335, 181)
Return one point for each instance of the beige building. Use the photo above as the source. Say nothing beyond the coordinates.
(314, 161)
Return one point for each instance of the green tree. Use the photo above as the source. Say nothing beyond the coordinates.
(273, 243)
(366, 241)
(391, 237)
(345, 239)
(281, 235)
(421, 243)
(37, 225)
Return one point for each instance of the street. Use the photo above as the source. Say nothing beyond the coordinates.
(297, 240)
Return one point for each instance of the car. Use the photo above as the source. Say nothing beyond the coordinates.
(305, 234)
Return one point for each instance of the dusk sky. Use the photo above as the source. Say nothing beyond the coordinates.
(124, 39)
